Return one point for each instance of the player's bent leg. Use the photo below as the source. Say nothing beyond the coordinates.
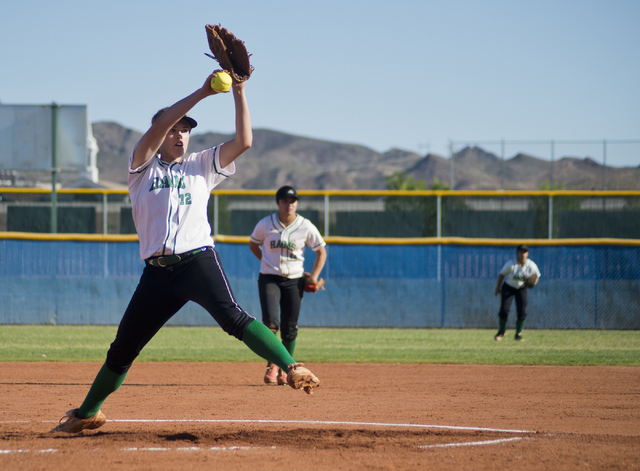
(521, 306)
(106, 382)
(207, 285)
(292, 293)
(269, 294)
(262, 342)
(265, 344)
(506, 298)
(89, 416)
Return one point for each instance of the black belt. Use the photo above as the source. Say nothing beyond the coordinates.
(172, 259)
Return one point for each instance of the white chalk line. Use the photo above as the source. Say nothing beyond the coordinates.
(48, 450)
(191, 448)
(484, 442)
(247, 448)
(320, 422)
(301, 422)
(195, 448)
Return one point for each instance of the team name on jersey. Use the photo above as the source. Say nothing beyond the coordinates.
(166, 182)
(285, 245)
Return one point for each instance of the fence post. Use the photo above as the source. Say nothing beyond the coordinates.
(326, 215)
(215, 215)
(443, 288)
(550, 217)
(104, 214)
(54, 169)
(439, 217)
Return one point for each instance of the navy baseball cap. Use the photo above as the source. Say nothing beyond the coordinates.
(285, 192)
(192, 122)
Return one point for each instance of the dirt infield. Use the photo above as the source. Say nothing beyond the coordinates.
(176, 416)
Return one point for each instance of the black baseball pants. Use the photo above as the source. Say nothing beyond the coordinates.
(161, 293)
(507, 294)
(280, 300)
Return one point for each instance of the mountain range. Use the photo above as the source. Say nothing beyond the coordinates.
(277, 158)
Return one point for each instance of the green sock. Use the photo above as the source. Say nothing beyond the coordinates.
(289, 345)
(503, 325)
(264, 343)
(105, 383)
(519, 326)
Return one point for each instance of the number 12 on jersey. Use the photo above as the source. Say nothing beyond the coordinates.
(185, 199)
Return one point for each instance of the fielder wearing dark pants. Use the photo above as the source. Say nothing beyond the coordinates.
(507, 295)
(279, 241)
(511, 284)
(280, 300)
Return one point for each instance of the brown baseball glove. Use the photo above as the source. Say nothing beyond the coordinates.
(530, 281)
(310, 287)
(230, 52)
(300, 377)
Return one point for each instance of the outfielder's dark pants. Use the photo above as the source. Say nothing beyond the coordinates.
(507, 294)
(281, 298)
(162, 292)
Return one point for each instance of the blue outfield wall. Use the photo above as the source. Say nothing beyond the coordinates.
(582, 286)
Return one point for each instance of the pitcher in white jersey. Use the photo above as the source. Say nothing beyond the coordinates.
(170, 192)
(279, 241)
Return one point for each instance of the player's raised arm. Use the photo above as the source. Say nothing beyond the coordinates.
(151, 141)
(233, 149)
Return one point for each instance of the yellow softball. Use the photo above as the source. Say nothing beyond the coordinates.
(221, 82)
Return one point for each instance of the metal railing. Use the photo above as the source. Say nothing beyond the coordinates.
(348, 213)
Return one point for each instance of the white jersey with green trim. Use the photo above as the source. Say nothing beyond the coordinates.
(169, 201)
(283, 247)
(515, 274)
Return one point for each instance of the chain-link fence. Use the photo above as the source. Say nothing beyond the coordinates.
(378, 214)
(368, 285)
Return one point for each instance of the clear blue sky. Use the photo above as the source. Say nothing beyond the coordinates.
(405, 74)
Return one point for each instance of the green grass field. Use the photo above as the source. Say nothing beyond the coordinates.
(460, 346)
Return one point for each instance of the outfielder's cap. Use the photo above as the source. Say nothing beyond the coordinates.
(192, 122)
(285, 192)
(522, 248)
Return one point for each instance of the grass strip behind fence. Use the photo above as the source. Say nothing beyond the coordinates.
(335, 345)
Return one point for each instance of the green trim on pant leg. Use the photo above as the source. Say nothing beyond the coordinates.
(290, 345)
(265, 344)
(519, 326)
(105, 383)
(503, 325)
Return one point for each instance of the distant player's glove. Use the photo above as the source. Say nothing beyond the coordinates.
(230, 52)
(530, 281)
(311, 287)
(300, 377)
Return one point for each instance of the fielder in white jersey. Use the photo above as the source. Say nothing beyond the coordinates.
(514, 273)
(170, 194)
(279, 241)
